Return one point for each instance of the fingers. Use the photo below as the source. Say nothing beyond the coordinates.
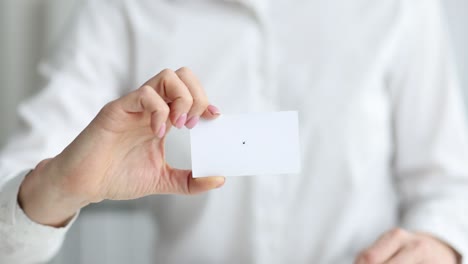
(200, 101)
(411, 253)
(177, 96)
(145, 99)
(168, 85)
(187, 98)
(384, 248)
(200, 185)
(211, 112)
(186, 184)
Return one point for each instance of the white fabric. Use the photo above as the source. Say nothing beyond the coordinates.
(384, 141)
(23, 229)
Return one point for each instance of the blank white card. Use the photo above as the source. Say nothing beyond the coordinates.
(246, 144)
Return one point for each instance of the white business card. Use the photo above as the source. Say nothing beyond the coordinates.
(246, 144)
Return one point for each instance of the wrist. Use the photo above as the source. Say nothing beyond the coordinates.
(44, 199)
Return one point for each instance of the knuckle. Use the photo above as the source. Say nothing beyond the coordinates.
(200, 102)
(184, 71)
(421, 245)
(167, 72)
(397, 233)
(163, 110)
(146, 94)
(167, 75)
(145, 90)
(109, 107)
(187, 100)
(368, 256)
(109, 110)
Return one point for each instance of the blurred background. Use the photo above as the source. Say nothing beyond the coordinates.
(28, 30)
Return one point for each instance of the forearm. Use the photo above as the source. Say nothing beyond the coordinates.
(43, 199)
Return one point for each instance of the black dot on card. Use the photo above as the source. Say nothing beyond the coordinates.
(243, 142)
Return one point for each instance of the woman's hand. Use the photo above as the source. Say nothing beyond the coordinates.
(120, 155)
(400, 246)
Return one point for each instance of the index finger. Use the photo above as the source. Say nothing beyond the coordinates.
(384, 248)
(174, 91)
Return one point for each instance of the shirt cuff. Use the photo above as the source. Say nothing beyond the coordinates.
(442, 229)
(24, 228)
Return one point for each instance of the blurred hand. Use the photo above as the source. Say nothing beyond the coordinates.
(399, 246)
(120, 155)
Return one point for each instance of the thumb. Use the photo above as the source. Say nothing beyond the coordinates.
(189, 185)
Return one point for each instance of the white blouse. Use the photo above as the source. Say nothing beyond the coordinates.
(383, 137)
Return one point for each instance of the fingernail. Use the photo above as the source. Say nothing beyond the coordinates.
(162, 131)
(192, 122)
(221, 183)
(181, 121)
(213, 110)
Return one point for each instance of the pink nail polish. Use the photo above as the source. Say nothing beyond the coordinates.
(192, 122)
(181, 121)
(162, 131)
(213, 110)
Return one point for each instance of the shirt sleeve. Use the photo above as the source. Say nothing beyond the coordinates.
(17, 228)
(88, 69)
(430, 133)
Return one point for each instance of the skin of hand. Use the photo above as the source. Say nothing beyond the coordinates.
(120, 154)
(399, 247)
